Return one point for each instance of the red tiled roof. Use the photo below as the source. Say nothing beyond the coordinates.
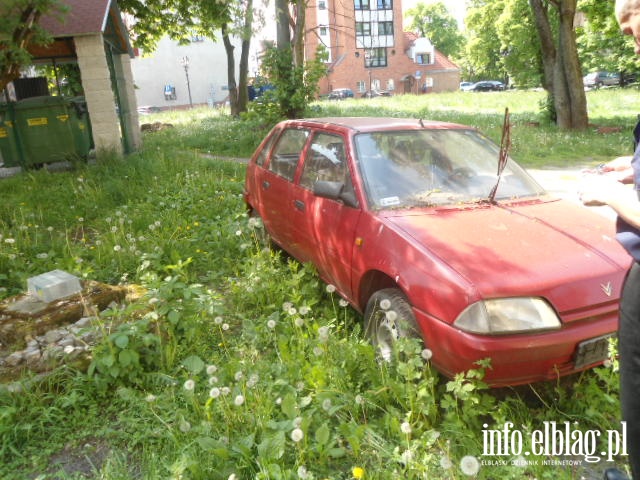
(83, 17)
(442, 62)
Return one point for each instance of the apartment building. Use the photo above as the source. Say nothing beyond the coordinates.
(368, 49)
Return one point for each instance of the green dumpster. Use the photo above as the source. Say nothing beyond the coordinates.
(51, 129)
(9, 151)
(80, 126)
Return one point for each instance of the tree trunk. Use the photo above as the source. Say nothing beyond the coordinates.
(283, 35)
(298, 33)
(563, 77)
(231, 72)
(243, 94)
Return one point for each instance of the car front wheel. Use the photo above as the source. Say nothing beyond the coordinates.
(387, 318)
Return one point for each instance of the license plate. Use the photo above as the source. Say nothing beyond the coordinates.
(592, 351)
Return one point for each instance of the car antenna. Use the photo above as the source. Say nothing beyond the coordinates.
(505, 144)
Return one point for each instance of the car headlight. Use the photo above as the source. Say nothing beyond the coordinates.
(508, 315)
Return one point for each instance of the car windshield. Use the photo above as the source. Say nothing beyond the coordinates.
(404, 169)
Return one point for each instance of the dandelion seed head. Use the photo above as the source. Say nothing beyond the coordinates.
(213, 380)
(331, 288)
(426, 354)
(405, 428)
(271, 324)
(184, 426)
(189, 385)
(211, 369)
(304, 310)
(469, 465)
(151, 398)
(445, 462)
(385, 304)
(343, 303)
(214, 392)
(238, 376)
(297, 435)
(391, 315)
(238, 401)
(326, 404)
(225, 326)
(298, 322)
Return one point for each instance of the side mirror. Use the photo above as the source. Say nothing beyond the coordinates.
(335, 191)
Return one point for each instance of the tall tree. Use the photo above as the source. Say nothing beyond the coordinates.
(19, 28)
(520, 51)
(561, 64)
(434, 22)
(483, 52)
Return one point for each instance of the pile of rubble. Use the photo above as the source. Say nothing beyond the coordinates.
(38, 335)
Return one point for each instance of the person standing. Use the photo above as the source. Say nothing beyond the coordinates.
(608, 188)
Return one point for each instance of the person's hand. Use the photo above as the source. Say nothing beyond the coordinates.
(598, 190)
(618, 169)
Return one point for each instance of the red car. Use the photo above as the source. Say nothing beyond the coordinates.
(412, 224)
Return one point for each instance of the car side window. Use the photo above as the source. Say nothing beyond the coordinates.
(286, 153)
(262, 156)
(325, 161)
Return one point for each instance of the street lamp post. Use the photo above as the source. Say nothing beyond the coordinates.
(184, 61)
(368, 56)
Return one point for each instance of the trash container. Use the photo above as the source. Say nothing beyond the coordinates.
(80, 125)
(43, 128)
(9, 150)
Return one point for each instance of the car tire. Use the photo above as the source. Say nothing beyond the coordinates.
(382, 328)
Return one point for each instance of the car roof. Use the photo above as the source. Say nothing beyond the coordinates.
(371, 124)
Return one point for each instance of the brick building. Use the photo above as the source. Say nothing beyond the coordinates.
(368, 50)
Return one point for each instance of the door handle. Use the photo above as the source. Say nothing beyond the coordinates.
(299, 204)
(266, 184)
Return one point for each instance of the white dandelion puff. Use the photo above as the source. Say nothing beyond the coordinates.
(469, 465)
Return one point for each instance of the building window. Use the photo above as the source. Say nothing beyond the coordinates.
(361, 4)
(376, 57)
(322, 5)
(385, 4)
(361, 86)
(323, 31)
(385, 28)
(197, 39)
(391, 85)
(423, 58)
(363, 29)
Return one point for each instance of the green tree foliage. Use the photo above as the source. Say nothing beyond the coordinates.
(434, 21)
(519, 44)
(295, 85)
(19, 28)
(483, 52)
(600, 43)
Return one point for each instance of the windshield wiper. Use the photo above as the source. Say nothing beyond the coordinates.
(503, 157)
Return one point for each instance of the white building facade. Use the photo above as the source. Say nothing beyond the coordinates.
(177, 76)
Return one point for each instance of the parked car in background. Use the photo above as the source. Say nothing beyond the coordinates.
(466, 86)
(411, 224)
(487, 86)
(376, 93)
(601, 79)
(341, 93)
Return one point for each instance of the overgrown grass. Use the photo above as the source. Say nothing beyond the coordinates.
(239, 361)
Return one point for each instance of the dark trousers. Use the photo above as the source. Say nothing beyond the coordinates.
(629, 350)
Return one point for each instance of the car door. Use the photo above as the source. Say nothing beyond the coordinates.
(323, 229)
(275, 183)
